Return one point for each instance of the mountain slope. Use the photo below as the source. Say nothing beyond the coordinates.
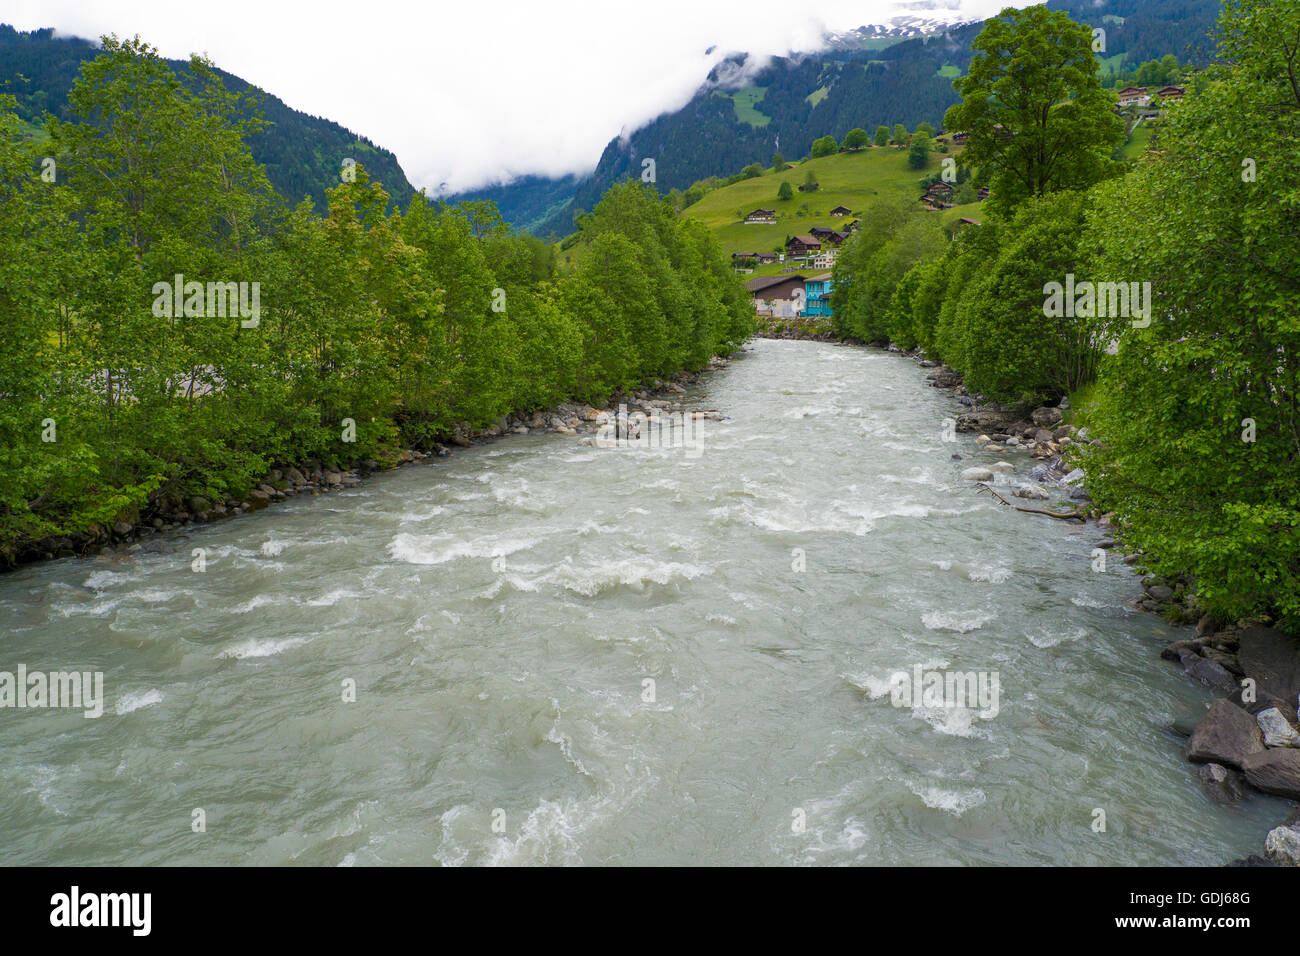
(302, 154)
(792, 101)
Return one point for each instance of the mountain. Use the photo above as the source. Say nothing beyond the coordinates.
(302, 154)
(745, 111)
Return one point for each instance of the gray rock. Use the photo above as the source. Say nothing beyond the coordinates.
(977, 474)
(121, 529)
(1277, 731)
(1221, 784)
(1075, 476)
(1029, 491)
(200, 505)
(1273, 660)
(1208, 672)
(1161, 592)
(1226, 735)
(1282, 845)
(1002, 468)
(1046, 416)
(1275, 771)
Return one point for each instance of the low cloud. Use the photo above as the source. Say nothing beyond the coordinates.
(473, 94)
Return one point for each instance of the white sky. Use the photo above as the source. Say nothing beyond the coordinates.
(471, 93)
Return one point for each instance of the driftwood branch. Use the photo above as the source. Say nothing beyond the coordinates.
(1063, 515)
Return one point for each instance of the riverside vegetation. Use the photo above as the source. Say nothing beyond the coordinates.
(378, 330)
(1196, 409)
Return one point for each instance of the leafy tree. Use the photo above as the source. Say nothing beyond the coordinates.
(1033, 106)
(882, 136)
(1179, 404)
(810, 181)
(900, 134)
(824, 146)
(918, 154)
(778, 163)
(856, 138)
(785, 191)
(752, 171)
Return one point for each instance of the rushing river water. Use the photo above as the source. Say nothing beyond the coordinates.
(501, 611)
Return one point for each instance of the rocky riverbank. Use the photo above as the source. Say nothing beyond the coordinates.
(148, 534)
(1249, 738)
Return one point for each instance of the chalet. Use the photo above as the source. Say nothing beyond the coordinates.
(1134, 94)
(938, 189)
(761, 215)
(983, 193)
(817, 294)
(777, 295)
(798, 247)
(959, 138)
(821, 232)
(824, 259)
(759, 258)
(839, 211)
(853, 226)
(835, 238)
(1171, 94)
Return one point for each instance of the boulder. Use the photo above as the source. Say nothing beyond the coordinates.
(1273, 660)
(1221, 784)
(1208, 672)
(1278, 732)
(977, 474)
(1282, 845)
(1275, 771)
(1029, 491)
(200, 505)
(1046, 416)
(1002, 468)
(1226, 735)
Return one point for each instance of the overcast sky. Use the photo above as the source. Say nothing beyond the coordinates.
(470, 93)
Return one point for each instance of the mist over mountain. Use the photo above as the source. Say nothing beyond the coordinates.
(302, 154)
(900, 72)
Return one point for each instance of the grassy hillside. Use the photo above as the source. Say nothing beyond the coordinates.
(856, 180)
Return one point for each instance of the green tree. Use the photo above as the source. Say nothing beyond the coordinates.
(882, 136)
(900, 134)
(778, 163)
(856, 138)
(824, 146)
(1034, 109)
(1199, 411)
(918, 154)
(785, 191)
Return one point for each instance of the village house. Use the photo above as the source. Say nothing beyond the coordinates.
(1171, 94)
(824, 259)
(761, 215)
(817, 294)
(798, 247)
(777, 295)
(840, 211)
(758, 258)
(853, 226)
(1131, 95)
(821, 232)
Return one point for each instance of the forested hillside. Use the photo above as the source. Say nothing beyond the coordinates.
(301, 154)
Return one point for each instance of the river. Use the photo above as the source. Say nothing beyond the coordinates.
(571, 654)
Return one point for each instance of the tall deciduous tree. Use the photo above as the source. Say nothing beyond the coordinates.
(1033, 106)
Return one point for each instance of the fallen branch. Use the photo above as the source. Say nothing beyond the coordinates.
(1063, 515)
